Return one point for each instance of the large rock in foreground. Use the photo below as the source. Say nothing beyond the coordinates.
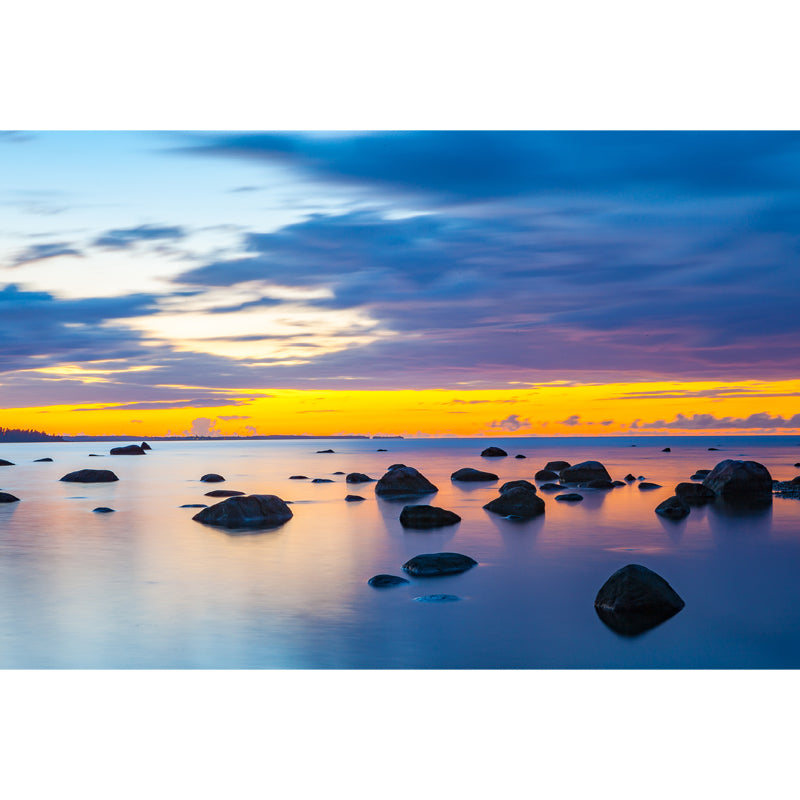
(635, 599)
(402, 481)
(428, 564)
(249, 511)
(91, 476)
(739, 480)
(518, 501)
(585, 471)
(470, 474)
(423, 517)
(129, 450)
(5, 497)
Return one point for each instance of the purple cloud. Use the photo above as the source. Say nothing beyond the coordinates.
(511, 423)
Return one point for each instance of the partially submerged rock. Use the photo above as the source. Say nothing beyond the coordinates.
(4, 463)
(739, 480)
(5, 497)
(635, 599)
(354, 498)
(250, 511)
(596, 483)
(384, 581)
(423, 517)
(512, 484)
(37, 460)
(402, 481)
(103, 510)
(212, 477)
(556, 466)
(193, 505)
(494, 452)
(90, 476)
(358, 477)
(694, 493)
(326, 451)
(570, 497)
(672, 508)
(585, 471)
(546, 475)
(645, 485)
(298, 477)
(519, 455)
(430, 564)
(127, 450)
(630, 478)
(666, 450)
(437, 598)
(470, 474)
(323, 480)
(551, 487)
(224, 493)
(145, 446)
(518, 501)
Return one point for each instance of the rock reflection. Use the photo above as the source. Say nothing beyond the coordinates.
(634, 623)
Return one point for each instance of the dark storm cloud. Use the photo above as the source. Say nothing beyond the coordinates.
(121, 238)
(491, 164)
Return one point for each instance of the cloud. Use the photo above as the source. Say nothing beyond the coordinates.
(232, 417)
(607, 422)
(40, 252)
(203, 426)
(251, 430)
(121, 238)
(511, 423)
(160, 405)
(572, 420)
(709, 421)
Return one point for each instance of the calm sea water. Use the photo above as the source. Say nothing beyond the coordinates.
(147, 587)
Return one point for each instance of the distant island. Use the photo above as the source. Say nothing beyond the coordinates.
(19, 435)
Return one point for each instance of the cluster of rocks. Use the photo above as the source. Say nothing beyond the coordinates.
(427, 565)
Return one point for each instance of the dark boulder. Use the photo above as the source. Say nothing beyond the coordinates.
(95, 455)
(102, 510)
(430, 564)
(585, 471)
(384, 581)
(212, 477)
(424, 517)
(5, 497)
(394, 466)
(381, 450)
(694, 493)
(797, 464)
(36, 460)
(326, 451)
(645, 485)
(518, 501)
(224, 493)
(667, 450)
(635, 599)
(546, 475)
(511, 484)
(128, 450)
(145, 446)
(354, 498)
(597, 483)
(630, 477)
(4, 463)
(91, 476)
(358, 477)
(551, 487)
(323, 480)
(672, 508)
(470, 474)
(298, 477)
(402, 481)
(570, 497)
(494, 452)
(193, 505)
(556, 466)
(519, 455)
(618, 483)
(338, 472)
(702, 472)
(739, 480)
(713, 448)
(250, 511)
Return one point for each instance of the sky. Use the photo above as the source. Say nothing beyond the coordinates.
(417, 283)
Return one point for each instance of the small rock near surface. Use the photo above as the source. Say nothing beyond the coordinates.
(470, 474)
(423, 517)
(90, 476)
(672, 508)
(4, 463)
(437, 598)
(493, 452)
(384, 581)
(358, 477)
(36, 460)
(354, 498)
(103, 510)
(556, 466)
(570, 497)
(694, 493)
(224, 493)
(430, 564)
(212, 477)
(512, 484)
(645, 485)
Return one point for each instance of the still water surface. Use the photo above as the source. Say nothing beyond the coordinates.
(147, 587)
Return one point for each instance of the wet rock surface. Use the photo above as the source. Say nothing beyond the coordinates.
(247, 512)
(739, 480)
(4, 463)
(431, 564)
(437, 598)
(39, 460)
(546, 475)
(645, 485)
(90, 476)
(517, 502)
(422, 517)
(585, 471)
(103, 510)
(354, 498)
(402, 481)
(557, 466)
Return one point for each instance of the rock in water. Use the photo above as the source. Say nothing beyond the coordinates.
(645, 485)
(323, 480)
(429, 564)
(517, 502)
(103, 510)
(630, 477)
(546, 475)
(494, 452)
(4, 463)
(694, 493)
(667, 450)
(585, 471)
(519, 455)
(597, 483)
(739, 480)
(570, 497)
(384, 581)
(402, 481)
(250, 511)
(354, 498)
(672, 508)
(224, 493)
(423, 517)
(128, 450)
(635, 599)
(470, 474)
(5, 497)
(145, 446)
(91, 476)
(511, 484)
(42, 459)
(298, 477)
(212, 477)
(326, 451)
(556, 466)
(437, 598)
(358, 477)
(550, 487)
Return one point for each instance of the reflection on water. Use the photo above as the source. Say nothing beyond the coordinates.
(149, 587)
(633, 623)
